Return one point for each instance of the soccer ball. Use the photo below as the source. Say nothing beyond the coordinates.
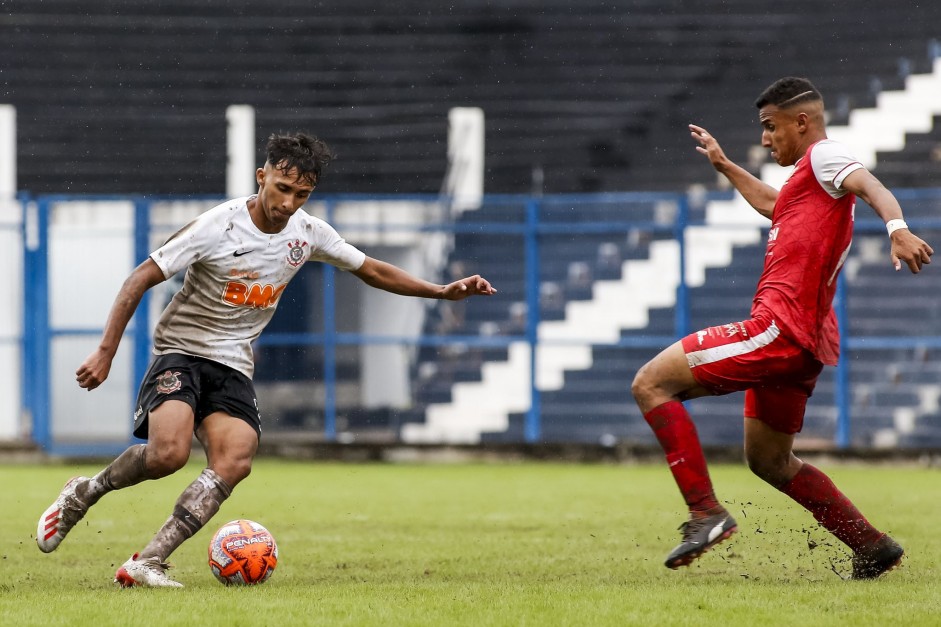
(242, 553)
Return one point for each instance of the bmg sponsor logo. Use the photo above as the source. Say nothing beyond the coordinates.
(256, 295)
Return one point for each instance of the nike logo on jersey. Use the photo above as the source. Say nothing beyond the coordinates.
(239, 253)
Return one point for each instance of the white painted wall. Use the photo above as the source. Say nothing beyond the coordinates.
(465, 177)
(7, 151)
(384, 368)
(240, 151)
(91, 252)
(12, 424)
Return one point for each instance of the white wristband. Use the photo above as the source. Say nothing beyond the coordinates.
(894, 225)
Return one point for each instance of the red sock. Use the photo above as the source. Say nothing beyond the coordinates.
(677, 436)
(832, 509)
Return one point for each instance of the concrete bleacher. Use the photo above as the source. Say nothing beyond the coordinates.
(893, 393)
(880, 303)
(130, 98)
(916, 164)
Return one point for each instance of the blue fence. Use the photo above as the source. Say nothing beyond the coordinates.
(531, 219)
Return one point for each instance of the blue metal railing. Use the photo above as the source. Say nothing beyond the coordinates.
(529, 225)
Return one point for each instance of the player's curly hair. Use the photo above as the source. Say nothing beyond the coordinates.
(305, 153)
(788, 91)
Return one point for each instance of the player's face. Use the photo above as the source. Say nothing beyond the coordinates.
(780, 131)
(280, 195)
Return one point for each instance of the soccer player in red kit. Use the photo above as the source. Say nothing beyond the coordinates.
(777, 354)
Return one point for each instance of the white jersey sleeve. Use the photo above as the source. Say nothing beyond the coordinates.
(193, 242)
(327, 246)
(832, 162)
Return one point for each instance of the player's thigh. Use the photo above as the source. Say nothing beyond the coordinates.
(230, 443)
(170, 434)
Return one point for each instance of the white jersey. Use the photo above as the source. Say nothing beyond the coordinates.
(235, 276)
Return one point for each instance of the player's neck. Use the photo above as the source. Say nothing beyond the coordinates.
(809, 140)
(257, 213)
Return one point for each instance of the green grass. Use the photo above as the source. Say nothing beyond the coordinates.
(501, 544)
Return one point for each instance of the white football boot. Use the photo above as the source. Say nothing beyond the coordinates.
(60, 517)
(149, 572)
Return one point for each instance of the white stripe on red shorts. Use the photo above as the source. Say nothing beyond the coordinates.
(748, 345)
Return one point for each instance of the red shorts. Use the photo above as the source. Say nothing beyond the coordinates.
(777, 375)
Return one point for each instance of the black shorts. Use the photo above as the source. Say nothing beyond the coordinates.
(205, 385)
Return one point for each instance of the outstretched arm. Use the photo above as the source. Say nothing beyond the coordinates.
(759, 194)
(906, 246)
(390, 278)
(94, 370)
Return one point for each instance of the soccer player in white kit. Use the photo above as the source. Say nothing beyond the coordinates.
(238, 257)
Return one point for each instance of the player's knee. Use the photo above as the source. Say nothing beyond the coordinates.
(233, 469)
(770, 469)
(242, 467)
(641, 385)
(757, 466)
(166, 458)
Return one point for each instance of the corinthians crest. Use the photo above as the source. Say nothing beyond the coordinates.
(297, 253)
(169, 382)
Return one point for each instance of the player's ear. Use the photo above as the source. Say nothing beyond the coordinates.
(802, 120)
(260, 176)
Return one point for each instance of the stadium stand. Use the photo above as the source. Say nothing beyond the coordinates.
(129, 97)
(894, 392)
(917, 163)
(886, 408)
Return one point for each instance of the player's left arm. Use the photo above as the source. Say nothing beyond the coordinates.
(906, 246)
(385, 276)
(96, 367)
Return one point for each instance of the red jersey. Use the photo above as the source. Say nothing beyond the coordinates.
(810, 237)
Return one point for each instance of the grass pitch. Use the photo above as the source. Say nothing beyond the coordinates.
(503, 544)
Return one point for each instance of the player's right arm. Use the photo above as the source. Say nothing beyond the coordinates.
(94, 370)
(759, 194)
